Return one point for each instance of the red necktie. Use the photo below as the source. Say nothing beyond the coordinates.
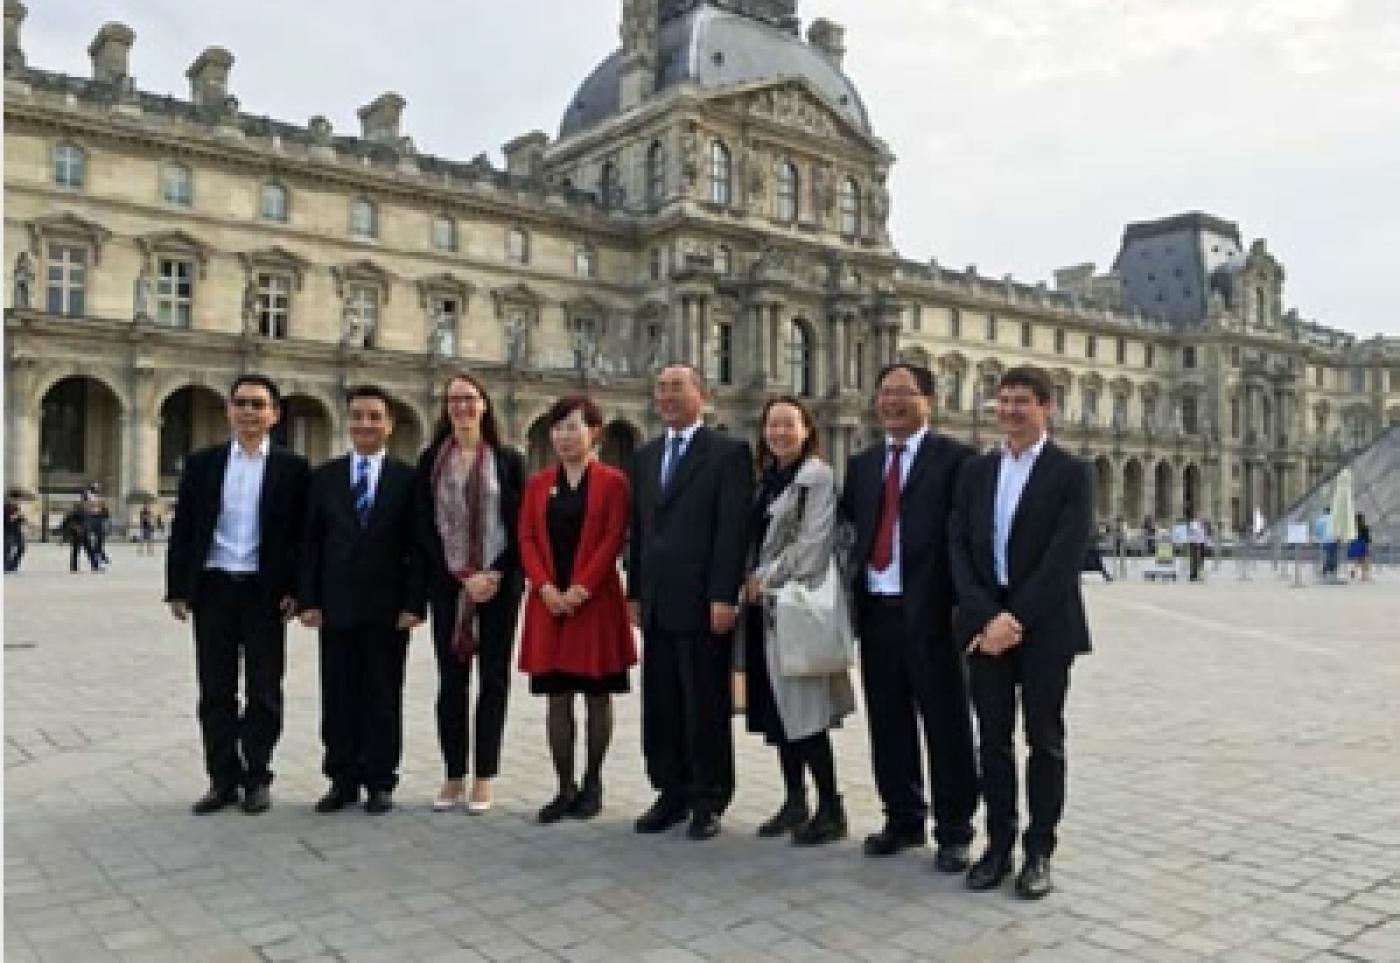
(882, 552)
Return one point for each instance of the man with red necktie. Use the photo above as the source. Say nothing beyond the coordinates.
(897, 498)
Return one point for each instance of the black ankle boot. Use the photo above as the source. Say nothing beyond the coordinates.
(792, 814)
(589, 801)
(827, 826)
(559, 806)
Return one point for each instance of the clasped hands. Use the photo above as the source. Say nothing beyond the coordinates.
(563, 603)
(1003, 632)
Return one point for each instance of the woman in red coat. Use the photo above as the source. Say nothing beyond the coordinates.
(576, 637)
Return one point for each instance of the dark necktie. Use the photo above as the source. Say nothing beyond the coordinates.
(882, 552)
(673, 457)
(360, 490)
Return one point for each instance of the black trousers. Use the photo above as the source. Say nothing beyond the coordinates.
(14, 550)
(687, 737)
(1043, 681)
(495, 639)
(362, 673)
(910, 679)
(234, 619)
(85, 546)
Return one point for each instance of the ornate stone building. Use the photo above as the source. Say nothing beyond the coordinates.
(715, 194)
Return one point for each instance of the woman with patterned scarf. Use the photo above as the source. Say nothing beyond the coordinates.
(469, 488)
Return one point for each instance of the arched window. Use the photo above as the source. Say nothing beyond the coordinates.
(1261, 307)
(69, 165)
(724, 260)
(364, 218)
(176, 184)
(850, 207)
(800, 358)
(787, 195)
(586, 261)
(609, 186)
(518, 245)
(656, 174)
(721, 171)
(955, 389)
(273, 204)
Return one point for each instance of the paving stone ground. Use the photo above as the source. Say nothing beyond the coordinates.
(1235, 793)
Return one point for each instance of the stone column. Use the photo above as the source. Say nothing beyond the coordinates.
(684, 354)
(775, 337)
(836, 332)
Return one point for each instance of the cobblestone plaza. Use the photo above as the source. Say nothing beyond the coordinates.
(1235, 792)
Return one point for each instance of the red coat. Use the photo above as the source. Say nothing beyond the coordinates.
(596, 640)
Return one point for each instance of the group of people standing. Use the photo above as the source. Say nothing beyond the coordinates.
(963, 572)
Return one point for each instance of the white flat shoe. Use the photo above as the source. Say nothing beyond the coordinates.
(479, 806)
(447, 803)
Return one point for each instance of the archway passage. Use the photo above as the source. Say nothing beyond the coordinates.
(406, 443)
(1132, 491)
(305, 427)
(1162, 508)
(619, 444)
(191, 418)
(80, 421)
(1191, 491)
(1103, 488)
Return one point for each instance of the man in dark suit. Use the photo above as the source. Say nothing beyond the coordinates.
(1022, 520)
(362, 586)
(897, 497)
(232, 562)
(691, 494)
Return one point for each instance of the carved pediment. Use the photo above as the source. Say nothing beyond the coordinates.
(796, 105)
(363, 271)
(175, 242)
(68, 225)
(515, 294)
(276, 258)
(445, 283)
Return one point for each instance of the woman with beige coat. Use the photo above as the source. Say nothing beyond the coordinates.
(794, 531)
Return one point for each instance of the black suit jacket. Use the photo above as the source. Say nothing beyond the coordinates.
(924, 503)
(689, 543)
(510, 473)
(360, 575)
(1050, 531)
(281, 511)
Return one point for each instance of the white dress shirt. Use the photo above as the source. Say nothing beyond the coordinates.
(238, 531)
(1011, 484)
(376, 464)
(891, 580)
(687, 435)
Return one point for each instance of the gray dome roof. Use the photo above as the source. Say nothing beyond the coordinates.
(716, 48)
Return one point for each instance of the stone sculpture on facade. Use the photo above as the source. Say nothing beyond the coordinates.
(516, 331)
(24, 282)
(143, 296)
(442, 338)
(250, 308)
(352, 328)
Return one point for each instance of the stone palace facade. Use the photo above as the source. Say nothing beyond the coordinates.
(715, 194)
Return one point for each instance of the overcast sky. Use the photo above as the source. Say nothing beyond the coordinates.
(1028, 131)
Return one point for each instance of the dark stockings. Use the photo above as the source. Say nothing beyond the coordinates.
(559, 724)
(811, 754)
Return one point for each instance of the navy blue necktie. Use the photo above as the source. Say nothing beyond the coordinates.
(673, 456)
(360, 490)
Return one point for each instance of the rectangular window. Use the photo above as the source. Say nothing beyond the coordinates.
(1358, 379)
(274, 305)
(1120, 411)
(916, 317)
(1189, 422)
(1027, 335)
(444, 234)
(992, 327)
(1149, 355)
(1091, 346)
(1059, 340)
(443, 316)
(1188, 356)
(1122, 351)
(67, 280)
(177, 185)
(517, 246)
(955, 324)
(175, 292)
(362, 310)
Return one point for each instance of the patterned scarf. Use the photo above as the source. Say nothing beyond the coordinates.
(459, 526)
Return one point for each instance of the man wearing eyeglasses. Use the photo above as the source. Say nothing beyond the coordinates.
(897, 497)
(232, 563)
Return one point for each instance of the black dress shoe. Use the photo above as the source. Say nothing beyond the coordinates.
(663, 814)
(990, 869)
(791, 815)
(953, 857)
(337, 798)
(703, 826)
(214, 800)
(257, 799)
(893, 838)
(1033, 882)
(558, 807)
(827, 826)
(379, 801)
(589, 801)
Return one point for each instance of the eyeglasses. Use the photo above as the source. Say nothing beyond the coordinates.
(253, 404)
(463, 399)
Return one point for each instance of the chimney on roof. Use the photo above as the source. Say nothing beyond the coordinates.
(208, 77)
(379, 119)
(525, 154)
(15, 13)
(110, 51)
(829, 39)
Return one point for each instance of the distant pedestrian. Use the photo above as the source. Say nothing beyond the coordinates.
(1358, 551)
(1322, 534)
(77, 532)
(99, 525)
(147, 523)
(14, 533)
